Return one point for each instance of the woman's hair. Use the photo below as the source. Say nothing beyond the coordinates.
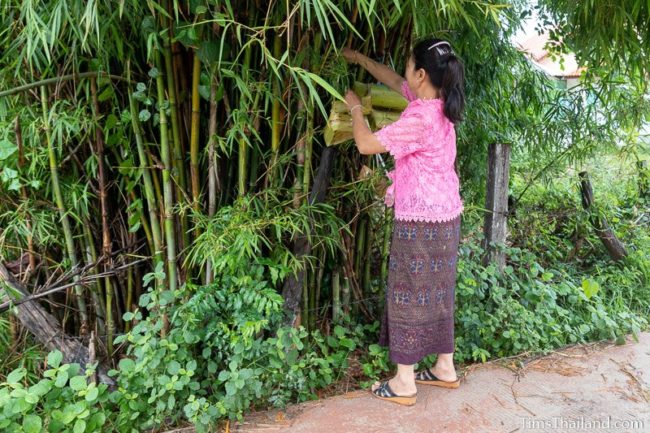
(445, 71)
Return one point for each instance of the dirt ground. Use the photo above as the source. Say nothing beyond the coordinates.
(599, 387)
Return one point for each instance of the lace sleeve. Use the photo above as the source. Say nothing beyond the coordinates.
(403, 136)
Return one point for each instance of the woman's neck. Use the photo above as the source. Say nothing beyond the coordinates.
(428, 94)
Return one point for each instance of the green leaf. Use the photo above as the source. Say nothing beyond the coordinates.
(78, 383)
(173, 367)
(208, 52)
(96, 421)
(8, 174)
(325, 85)
(106, 94)
(32, 424)
(61, 379)
(41, 388)
(126, 365)
(7, 148)
(590, 287)
(14, 185)
(54, 358)
(79, 426)
(31, 398)
(16, 375)
(92, 394)
(144, 115)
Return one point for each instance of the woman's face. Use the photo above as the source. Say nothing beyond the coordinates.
(414, 78)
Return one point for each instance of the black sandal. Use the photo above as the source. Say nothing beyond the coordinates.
(425, 377)
(384, 392)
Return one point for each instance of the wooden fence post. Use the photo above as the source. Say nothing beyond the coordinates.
(496, 203)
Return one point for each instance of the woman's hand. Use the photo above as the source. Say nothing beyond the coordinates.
(352, 99)
(351, 56)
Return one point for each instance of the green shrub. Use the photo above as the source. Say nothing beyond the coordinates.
(62, 401)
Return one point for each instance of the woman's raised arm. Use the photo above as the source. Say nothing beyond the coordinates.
(378, 70)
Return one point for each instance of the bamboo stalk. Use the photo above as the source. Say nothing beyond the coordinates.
(385, 249)
(336, 296)
(106, 235)
(254, 160)
(194, 135)
(254, 157)
(156, 175)
(304, 316)
(65, 222)
(213, 173)
(360, 250)
(167, 183)
(311, 282)
(309, 139)
(23, 193)
(276, 120)
(129, 290)
(144, 223)
(110, 324)
(345, 295)
(243, 146)
(308, 152)
(96, 291)
(313, 300)
(151, 193)
(367, 259)
(178, 162)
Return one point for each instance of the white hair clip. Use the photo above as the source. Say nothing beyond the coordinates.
(442, 51)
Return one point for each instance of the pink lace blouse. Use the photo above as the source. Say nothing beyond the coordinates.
(425, 186)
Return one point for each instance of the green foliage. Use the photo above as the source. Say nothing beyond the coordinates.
(204, 353)
(613, 35)
(550, 295)
(18, 353)
(63, 401)
(217, 359)
(257, 229)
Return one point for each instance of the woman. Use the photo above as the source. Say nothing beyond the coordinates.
(420, 294)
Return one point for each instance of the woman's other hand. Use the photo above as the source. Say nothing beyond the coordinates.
(352, 99)
(351, 56)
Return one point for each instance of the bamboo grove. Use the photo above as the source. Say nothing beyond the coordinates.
(178, 140)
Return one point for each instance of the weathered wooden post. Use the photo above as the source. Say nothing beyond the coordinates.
(496, 204)
(43, 326)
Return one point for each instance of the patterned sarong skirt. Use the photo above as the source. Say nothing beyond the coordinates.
(418, 314)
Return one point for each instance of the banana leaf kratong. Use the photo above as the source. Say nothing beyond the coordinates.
(381, 106)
